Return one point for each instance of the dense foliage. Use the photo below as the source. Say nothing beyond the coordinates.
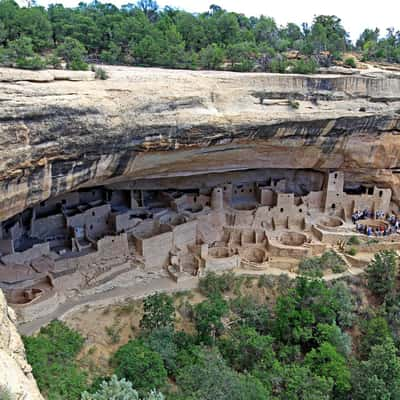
(143, 34)
(314, 340)
(116, 389)
(52, 356)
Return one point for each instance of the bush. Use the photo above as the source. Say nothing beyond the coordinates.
(213, 284)
(352, 251)
(100, 73)
(210, 378)
(73, 52)
(208, 316)
(311, 267)
(33, 63)
(162, 341)
(354, 240)
(294, 104)
(309, 66)
(114, 389)
(331, 260)
(381, 273)
(245, 347)
(350, 62)
(52, 357)
(54, 61)
(251, 314)
(138, 364)
(159, 312)
(314, 266)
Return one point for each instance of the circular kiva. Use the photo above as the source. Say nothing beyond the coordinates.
(219, 252)
(293, 238)
(331, 222)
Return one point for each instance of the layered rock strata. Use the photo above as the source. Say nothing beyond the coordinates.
(57, 134)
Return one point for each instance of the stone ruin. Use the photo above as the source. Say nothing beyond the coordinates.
(249, 220)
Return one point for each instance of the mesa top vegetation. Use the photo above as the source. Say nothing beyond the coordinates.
(143, 34)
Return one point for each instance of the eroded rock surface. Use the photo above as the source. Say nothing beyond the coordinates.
(58, 135)
(15, 372)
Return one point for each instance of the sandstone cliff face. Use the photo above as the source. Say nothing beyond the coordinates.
(59, 132)
(15, 372)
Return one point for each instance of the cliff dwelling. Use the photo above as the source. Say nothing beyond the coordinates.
(118, 188)
(253, 220)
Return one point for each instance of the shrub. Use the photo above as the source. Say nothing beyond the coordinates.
(100, 73)
(113, 331)
(251, 314)
(208, 316)
(350, 62)
(352, 251)
(115, 389)
(327, 362)
(73, 52)
(311, 267)
(294, 104)
(245, 347)
(54, 61)
(210, 378)
(138, 364)
(331, 260)
(213, 284)
(314, 266)
(159, 312)
(162, 341)
(354, 240)
(34, 63)
(381, 273)
(309, 66)
(52, 357)
(265, 281)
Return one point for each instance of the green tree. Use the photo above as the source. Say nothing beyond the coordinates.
(378, 378)
(242, 55)
(158, 312)
(52, 356)
(207, 317)
(298, 313)
(328, 34)
(333, 334)
(209, 378)
(73, 52)
(34, 23)
(244, 348)
(162, 341)
(326, 362)
(138, 364)
(381, 273)
(297, 382)
(212, 56)
(251, 314)
(147, 50)
(374, 331)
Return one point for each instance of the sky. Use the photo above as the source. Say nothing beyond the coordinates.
(355, 14)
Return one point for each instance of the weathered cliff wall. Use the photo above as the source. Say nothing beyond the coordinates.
(15, 372)
(57, 135)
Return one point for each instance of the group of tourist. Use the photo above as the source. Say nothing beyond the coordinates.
(357, 215)
(384, 229)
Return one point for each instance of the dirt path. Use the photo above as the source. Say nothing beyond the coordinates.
(112, 296)
(139, 291)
